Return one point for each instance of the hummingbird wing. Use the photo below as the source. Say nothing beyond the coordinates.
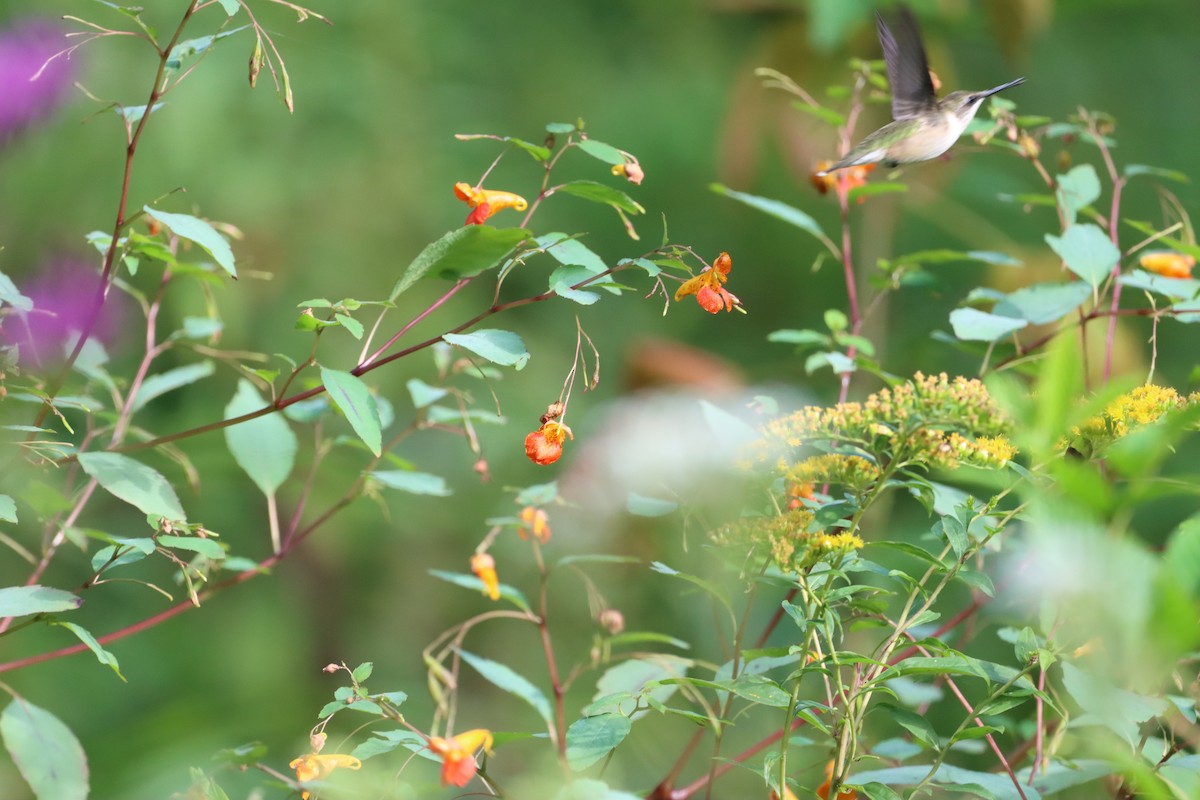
(908, 70)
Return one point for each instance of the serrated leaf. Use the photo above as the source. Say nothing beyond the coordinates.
(264, 447)
(103, 656)
(568, 251)
(510, 681)
(46, 753)
(499, 347)
(209, 548)
(354, 399)
(973, 325)
(20, 601)
(601, 193)
(790, 215)
(1043, 303)
(601, 151)
(197, 230)
(135, 483)
(461, 253)
(1087, 251)
(413, 482)
(1078, 189)
(592, 738)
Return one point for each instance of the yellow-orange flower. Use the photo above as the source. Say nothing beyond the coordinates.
(484, 567)
(710, 294)
(486, 202)
(853, 176)
(545, 445)
(536, 523)
(1168, 264)
(458, 754)
(315, 765)
(787, 794)
(843, 793)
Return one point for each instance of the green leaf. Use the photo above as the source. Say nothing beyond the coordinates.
(563, 280)
(423, 394)
(804, 337)
(760, 689)
(1181, 557)
(131, 550)
(46, 753)
(987, 785)
(507, 592)
(600, 193)
(264, 447)
(792, 216)
(592, 738)
(1133, 170)
(8, 509)
(642, 506)
(1087, 251)
(914, 723)
(569, 251)
(362, 672)
(500, 347)
(461, 253)
(209, 548)
(1179, 288)
(1121, 710)
(1078, 189)
(560, 127)
(588, 789)
(632, 677)
(413, 482)
(973, 325)
(511, 682)
(1047, 302)
(197, 230)
(135, 483)
(355, 400)
(21, 601)
(601, 151)
(231, 6)
(102, 655)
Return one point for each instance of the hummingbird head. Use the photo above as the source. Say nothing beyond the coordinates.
(965, 104)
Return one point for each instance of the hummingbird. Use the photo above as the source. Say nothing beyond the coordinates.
(924, 127)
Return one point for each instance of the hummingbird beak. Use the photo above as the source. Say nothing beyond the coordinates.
(1000, 88)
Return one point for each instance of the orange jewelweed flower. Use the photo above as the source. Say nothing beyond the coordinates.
(1168, 264)
(843, 793)
(484, 567)
(710, 294)
(486, 202)
(458, 754)
(545, 445)
(854, 177)
(535, 522)
(787, 794)
(315, 765)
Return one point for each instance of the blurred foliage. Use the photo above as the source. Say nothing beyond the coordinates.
(337, 199)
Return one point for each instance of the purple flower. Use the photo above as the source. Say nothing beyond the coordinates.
(24, 48)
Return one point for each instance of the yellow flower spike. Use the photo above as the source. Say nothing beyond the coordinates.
(484, 567)
(315, 765)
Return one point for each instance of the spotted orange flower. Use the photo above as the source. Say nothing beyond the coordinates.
(710, 294)
(458, 754)
(545, 445)
(843, 793)
(853, 176)
(315, 765)
(484, 567)
(536, 523)
(486, 202)
(1168, 264)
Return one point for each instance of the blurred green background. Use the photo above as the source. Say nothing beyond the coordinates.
(336, 200)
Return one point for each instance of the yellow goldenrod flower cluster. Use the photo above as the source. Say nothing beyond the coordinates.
(854, 472)
(787, 540)
(1128, 412)
(931, 419)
